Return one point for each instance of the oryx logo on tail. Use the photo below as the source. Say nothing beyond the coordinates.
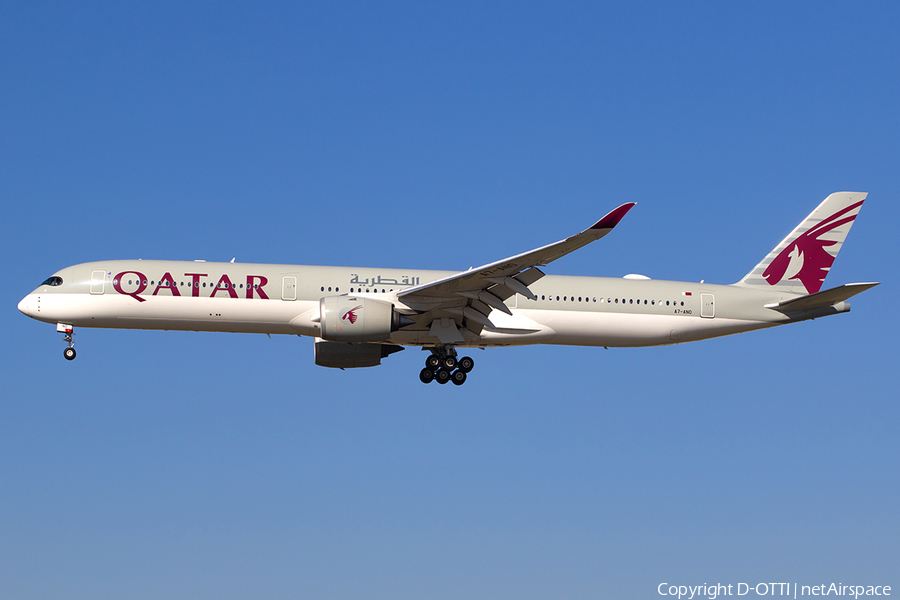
(806, 258)
(802, 260)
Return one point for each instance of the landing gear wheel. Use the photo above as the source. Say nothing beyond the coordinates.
(69, 353)
(442, 376)
(432, 362)
(449, 362)
(458, 377)
(426, 375)
(466, 364)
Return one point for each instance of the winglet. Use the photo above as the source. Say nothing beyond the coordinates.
(613, 217)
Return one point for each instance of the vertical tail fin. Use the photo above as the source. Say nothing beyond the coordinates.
(802, 260)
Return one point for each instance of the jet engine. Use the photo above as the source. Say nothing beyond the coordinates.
(355, 319)
(343, 355)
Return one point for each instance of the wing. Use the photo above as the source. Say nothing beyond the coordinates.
(469, 297)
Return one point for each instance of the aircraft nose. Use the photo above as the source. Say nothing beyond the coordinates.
(28, 305)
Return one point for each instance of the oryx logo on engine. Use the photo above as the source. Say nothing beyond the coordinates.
(351, 315)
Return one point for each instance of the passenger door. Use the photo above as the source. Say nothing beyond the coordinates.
(98, 281)
(289, 287)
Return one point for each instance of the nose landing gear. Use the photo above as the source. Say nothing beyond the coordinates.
(68, 330)
(444, 367)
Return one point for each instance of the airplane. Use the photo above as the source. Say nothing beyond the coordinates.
(358, 315)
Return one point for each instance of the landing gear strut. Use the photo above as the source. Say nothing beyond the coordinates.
(444, 367)
(69, 352)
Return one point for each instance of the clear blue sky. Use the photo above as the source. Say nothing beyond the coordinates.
(178, 465)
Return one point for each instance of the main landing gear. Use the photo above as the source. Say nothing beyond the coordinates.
(443, 366)
(69, 352)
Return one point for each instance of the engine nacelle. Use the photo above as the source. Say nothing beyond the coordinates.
(344, 355)
(355, 319)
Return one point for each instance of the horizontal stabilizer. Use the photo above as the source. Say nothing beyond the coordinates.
(823, 299)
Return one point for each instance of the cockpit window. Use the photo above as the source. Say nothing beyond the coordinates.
(53, 281)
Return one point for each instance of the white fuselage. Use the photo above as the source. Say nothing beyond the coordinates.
(285, 299)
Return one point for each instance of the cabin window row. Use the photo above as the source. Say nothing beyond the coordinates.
(361, 290)
(543, 297)
(358, 290)
(610, 300)
(223, 286)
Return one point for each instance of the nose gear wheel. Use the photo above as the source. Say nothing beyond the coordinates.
(69, 352)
